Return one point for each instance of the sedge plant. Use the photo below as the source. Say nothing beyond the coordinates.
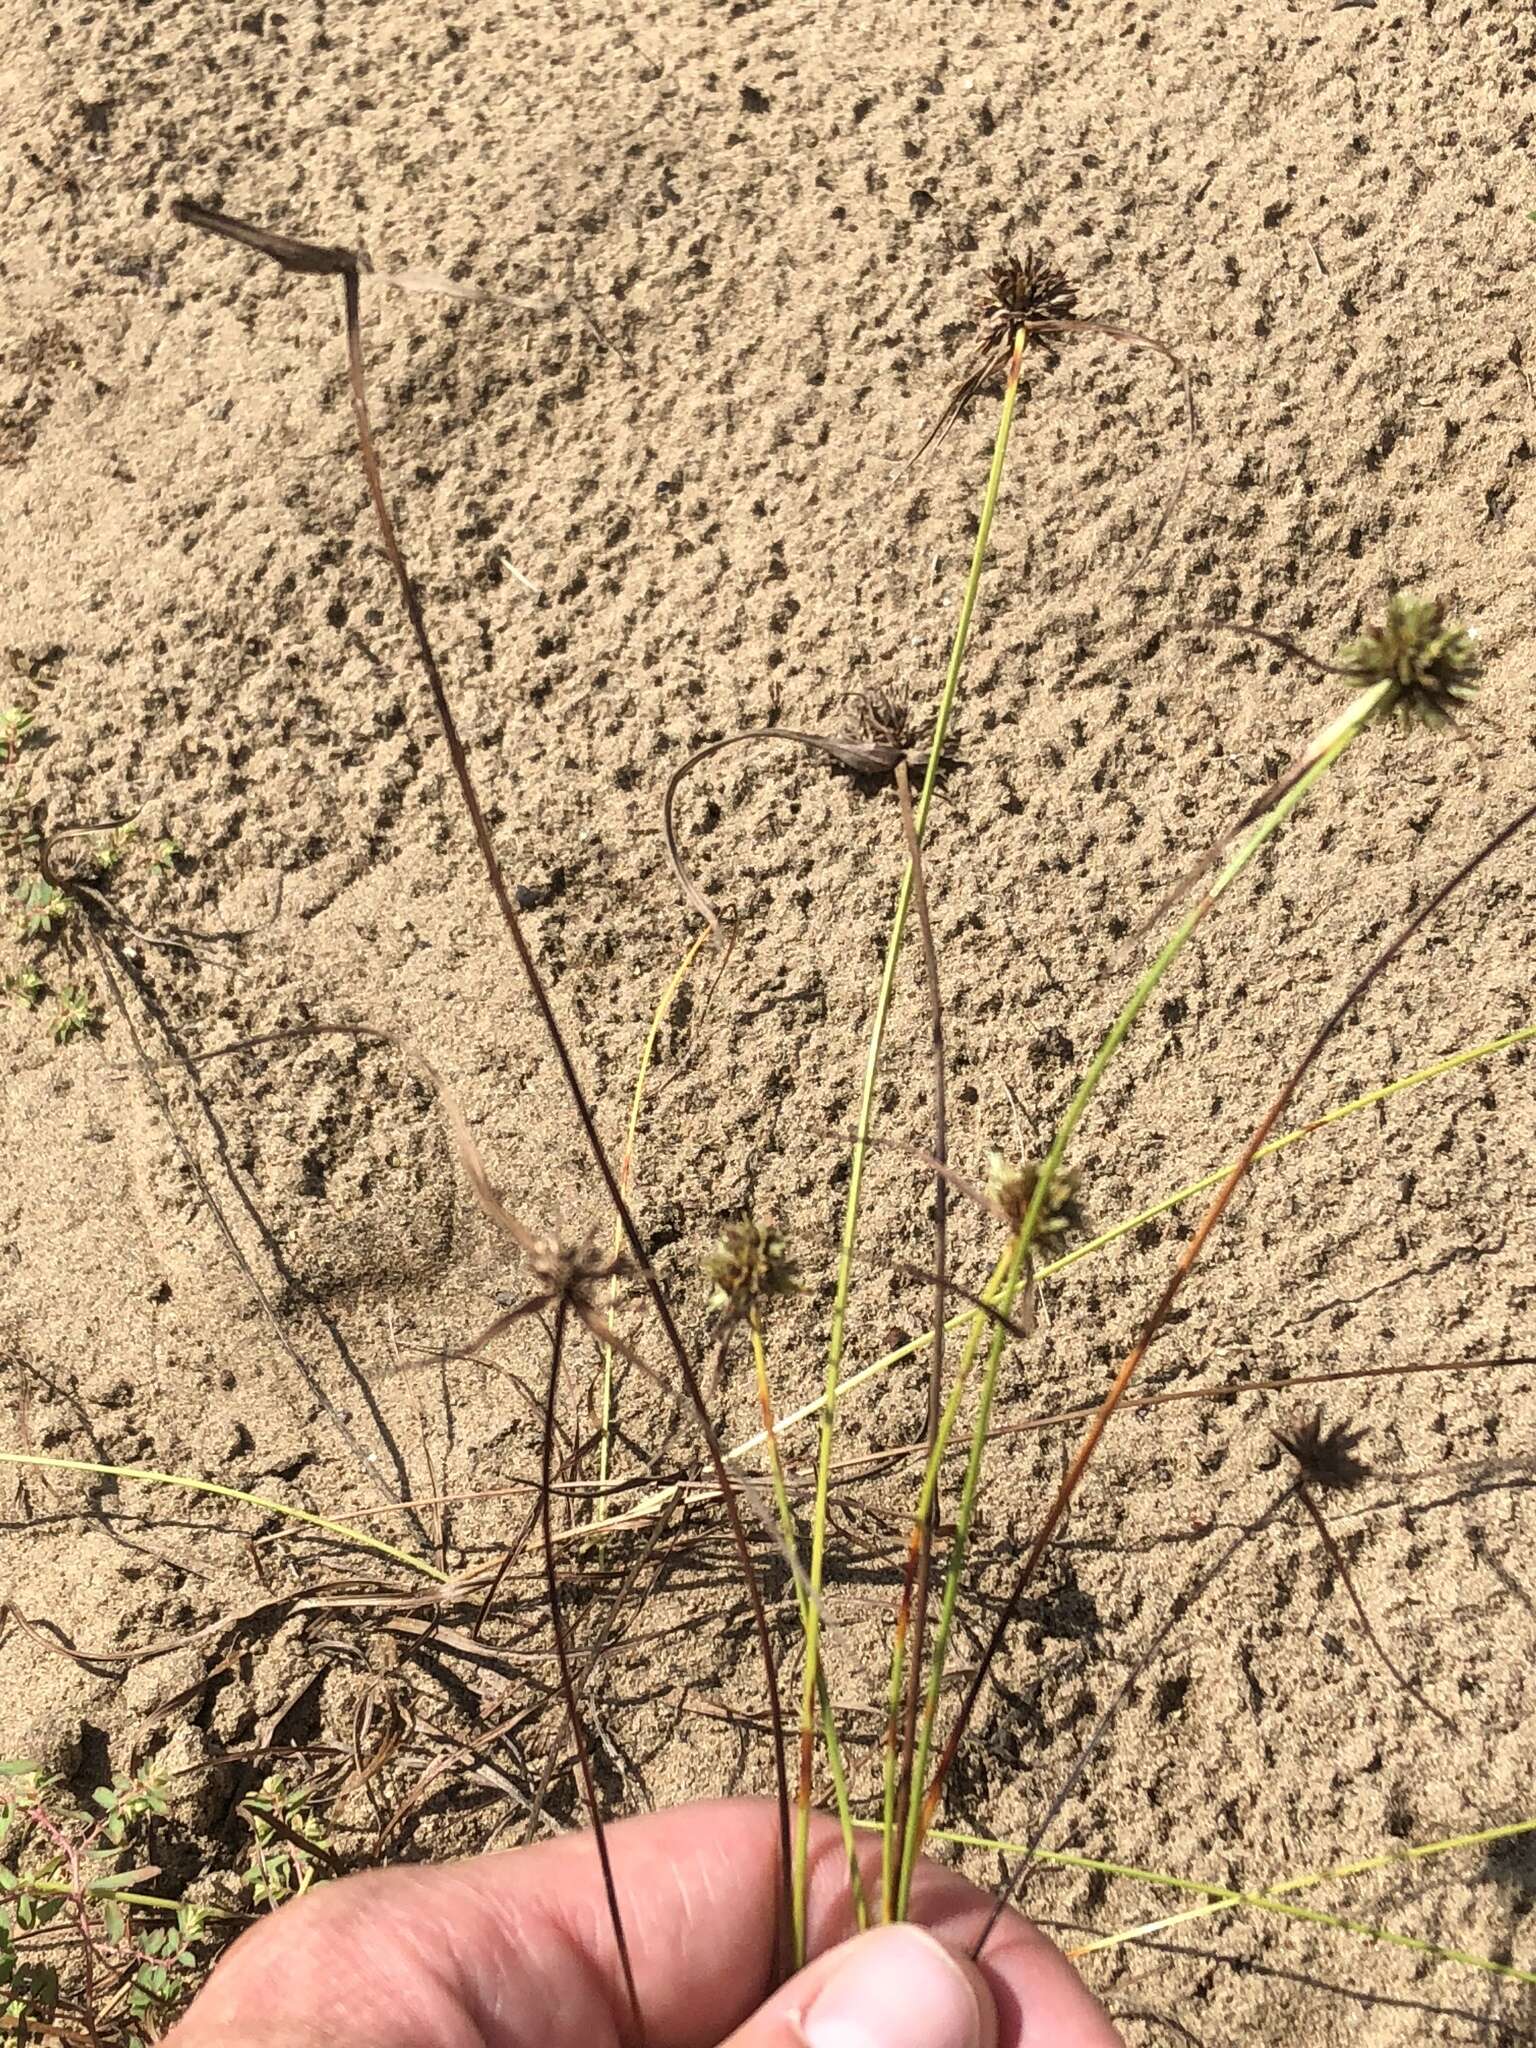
(1414, 665)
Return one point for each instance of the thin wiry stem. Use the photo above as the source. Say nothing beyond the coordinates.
(1183, 1603)
(1452, 1063)
(626, 1177)
(993, 359)
(860, 757)
(921, 1814)
(913, 1612)
(263, 1503)
(1181, 1272)
(1347, 724)
(786, 1515)
(334, 1415)
(346, 264)
(1220, 1898)
(1271, 1902)
(568, 1696)
(839, 1317)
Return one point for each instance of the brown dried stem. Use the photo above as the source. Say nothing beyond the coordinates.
(568, 1692)
(863, 757)
(346, 263)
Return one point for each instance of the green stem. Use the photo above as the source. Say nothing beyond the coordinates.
(1328, 748)
(890, 1863)
(1283, 1144)
(1221, 1898)
(835, 1765)
(839, 1317)
(341, 1530)
(106, 1891)
(626, 1177)
(652, 1503)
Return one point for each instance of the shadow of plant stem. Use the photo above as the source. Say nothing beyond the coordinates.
(1184, 1602)
(105, 952)
(1325, 1461)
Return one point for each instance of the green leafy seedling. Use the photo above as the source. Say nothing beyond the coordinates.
(289, 1847)
(76, 1014)
(113, 848)
(63, 1876)
(24, 988)
(15, 723)
(43, 908)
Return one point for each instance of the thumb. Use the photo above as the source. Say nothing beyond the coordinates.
(894, 1987)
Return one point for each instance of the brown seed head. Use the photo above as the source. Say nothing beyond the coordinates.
(889, 722)
(1013, 1189)
(572, 1273)
(1017, 294)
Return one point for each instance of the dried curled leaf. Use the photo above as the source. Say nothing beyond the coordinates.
(862, 756)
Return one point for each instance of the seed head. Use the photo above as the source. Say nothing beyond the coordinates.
(572, 1273)
(1015, 294)
(889, 722)
(1013, 1189)
(1433, 665)
(749, 1266)
(1325, 1457)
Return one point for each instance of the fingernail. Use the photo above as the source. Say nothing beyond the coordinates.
(897, 1989)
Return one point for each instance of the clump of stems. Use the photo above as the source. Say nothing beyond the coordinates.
(1412, 666)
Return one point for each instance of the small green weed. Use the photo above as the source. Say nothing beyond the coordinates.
(44, 913)
(15, 720)
(24, 989)
(72, 1949)
(289, 1847)
(76, 1013)
(41, 907)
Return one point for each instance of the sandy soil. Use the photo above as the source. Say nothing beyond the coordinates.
(754, 231)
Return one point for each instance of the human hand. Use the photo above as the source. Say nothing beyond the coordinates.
(516, 1951)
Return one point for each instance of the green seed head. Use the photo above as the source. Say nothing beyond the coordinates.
(1013, 1189)
(1433, 665)
(749, 1265)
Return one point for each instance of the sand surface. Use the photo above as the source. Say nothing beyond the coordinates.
(651, 493)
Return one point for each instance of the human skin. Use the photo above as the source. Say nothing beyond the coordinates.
(516, 1950)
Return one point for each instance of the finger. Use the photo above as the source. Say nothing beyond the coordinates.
(895, 1987)
(516, 1950)
(1040, 1999)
